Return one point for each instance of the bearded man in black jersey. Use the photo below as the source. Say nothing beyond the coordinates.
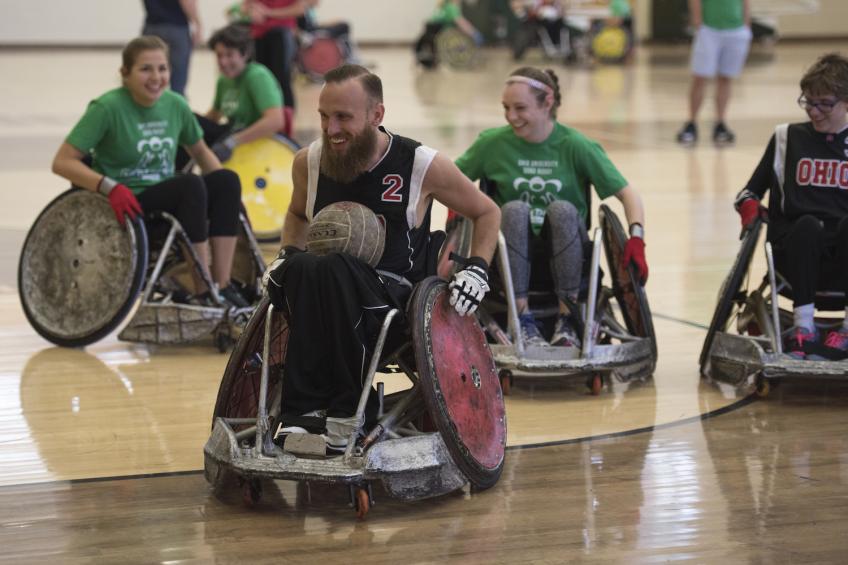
(335, 304)
(806, 167)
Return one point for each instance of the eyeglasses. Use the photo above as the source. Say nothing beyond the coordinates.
(825, 107)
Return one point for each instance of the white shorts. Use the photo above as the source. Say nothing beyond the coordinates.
(720, 51)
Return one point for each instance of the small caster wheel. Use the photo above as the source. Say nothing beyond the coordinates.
(251, 491)
(506, 381)
(762, 387)
(223, 342)
(360, 497)
(595, 383)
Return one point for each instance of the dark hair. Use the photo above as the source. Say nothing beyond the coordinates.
(547, 77)
(828, 75)
(234, 36)
(371, 83)
(138, 45)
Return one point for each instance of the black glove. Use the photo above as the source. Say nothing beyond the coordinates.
(469, 285)
(223, 149)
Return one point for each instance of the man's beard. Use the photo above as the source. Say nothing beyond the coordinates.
(344, 167)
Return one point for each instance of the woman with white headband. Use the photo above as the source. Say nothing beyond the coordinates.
(540, 169)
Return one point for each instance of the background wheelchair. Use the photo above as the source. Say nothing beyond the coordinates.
(616, 342)
(318, 53)
(264, 169)
(81, 275)
(446, 44)
(446, 429)
(744, 341)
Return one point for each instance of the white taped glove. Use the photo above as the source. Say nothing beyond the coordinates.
(469, 286)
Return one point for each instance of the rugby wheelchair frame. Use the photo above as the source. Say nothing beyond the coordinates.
(449, 428)
(610, 348)
(81, 275)
(744, 342)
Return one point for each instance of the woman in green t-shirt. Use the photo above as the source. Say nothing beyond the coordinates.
(131, 134)
(247, 95)
(541, 171)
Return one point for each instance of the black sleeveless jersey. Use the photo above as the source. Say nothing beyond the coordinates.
(807, 172)
(392, 189)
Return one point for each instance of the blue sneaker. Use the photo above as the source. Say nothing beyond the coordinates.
(530, 333)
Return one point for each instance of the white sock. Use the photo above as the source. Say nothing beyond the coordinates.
(804, 316)
(845, 322)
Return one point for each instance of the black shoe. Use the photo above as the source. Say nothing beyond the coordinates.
(722, 135)
(688, 135)
(233, 296)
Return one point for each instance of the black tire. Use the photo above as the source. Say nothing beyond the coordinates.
(238, 394)
(629, 294)
(82, 223)
(728, 295)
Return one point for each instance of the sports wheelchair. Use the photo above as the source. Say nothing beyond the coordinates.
(616, 343)
(449, 44)
(81, 274)
(447, 429)
(744, 342)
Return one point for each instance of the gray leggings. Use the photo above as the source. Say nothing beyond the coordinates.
(566, 232)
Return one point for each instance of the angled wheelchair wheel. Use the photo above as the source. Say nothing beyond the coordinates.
(455, 48)
(610, 44)
(321, 55)
(460, 383)
(264, 168)
(628, 292)
(238, 394)
(730, 295)
(80, 272)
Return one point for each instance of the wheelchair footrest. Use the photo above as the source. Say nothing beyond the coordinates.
(172, 323)
(410, 468)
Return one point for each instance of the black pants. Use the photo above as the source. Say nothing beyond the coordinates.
(425, 46)
(276, 50)
(813, 255)
(205, 206)
(212, 132)
(335, 306)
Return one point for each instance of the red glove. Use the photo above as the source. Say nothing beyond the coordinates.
(123, 201)
(634, 252)
(749, 211)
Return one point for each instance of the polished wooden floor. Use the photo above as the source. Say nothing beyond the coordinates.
(101, 449)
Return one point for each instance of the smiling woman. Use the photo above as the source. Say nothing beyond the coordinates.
(541, 171)
(130, 135)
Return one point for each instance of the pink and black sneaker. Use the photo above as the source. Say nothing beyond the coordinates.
(798, 336)
(837, 339)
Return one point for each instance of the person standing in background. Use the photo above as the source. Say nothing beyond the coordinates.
(273, 27)
(722, 40)
(177, 23)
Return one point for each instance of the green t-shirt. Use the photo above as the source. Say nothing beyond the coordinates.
(244, 98)
(620, 8)
(447, 13)
(133, 144)
(558, 168)
(722, 14)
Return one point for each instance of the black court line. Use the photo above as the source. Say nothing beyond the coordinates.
(718, 412)
(679, 321)
(706, 416)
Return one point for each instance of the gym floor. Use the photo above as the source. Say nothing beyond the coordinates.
(101, 448)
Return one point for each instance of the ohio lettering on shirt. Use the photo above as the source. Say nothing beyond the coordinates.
(822, 173)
